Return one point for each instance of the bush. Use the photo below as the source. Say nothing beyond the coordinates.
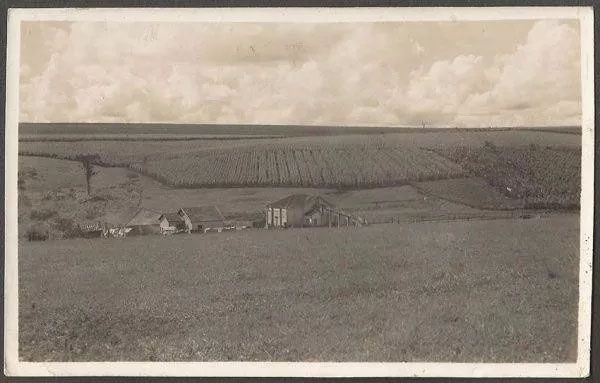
(260, 222)
(69, 228)
(42, 215)
(37, 232)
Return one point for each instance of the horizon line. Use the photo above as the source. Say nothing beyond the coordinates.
(424, 126)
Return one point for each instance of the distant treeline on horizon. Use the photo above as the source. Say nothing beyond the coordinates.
(28, 128)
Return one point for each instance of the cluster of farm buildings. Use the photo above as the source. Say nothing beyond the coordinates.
(294, 211)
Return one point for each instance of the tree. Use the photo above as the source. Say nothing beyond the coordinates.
(88, 161)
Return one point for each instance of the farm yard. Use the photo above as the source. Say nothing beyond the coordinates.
(440, 207)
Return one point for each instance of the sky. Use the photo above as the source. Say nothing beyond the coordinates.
(464, 74)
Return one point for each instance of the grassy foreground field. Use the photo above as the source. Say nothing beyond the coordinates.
(486, 291)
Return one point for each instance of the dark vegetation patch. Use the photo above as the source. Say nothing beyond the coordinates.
(42, 215)
(474, 192)
(543, 177)
(37, 232)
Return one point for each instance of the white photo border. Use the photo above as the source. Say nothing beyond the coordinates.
(14, 367)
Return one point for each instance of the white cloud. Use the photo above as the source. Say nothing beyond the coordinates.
(306, 74)
(536, 84)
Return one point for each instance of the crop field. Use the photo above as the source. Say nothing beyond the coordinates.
(309, 167)
(540, 176)
(435, 291)
(348, 161)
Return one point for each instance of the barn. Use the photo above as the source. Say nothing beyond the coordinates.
(144, 221)
(303, 210)
(202, 219)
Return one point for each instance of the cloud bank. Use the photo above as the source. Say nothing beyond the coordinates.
(388, 74)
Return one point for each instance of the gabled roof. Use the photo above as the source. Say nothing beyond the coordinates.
(203, 213)
(172, 217)
(144, 217)
(305, 202)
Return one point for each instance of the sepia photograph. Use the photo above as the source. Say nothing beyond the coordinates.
(299, 192)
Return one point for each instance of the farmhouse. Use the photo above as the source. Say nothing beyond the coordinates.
(144, 222)
(202, 218)
(171, 223)
(302, 210)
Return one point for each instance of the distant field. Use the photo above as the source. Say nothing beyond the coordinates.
(342, 161)
(540, 176)
(136, 137)
(91, 129)
(471, 191)
(441, 292)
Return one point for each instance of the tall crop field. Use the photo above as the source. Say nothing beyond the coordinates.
(542, 177)
(349, 161)
(306, 166)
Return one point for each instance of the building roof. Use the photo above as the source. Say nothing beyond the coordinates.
(203, 213)
(144, 217)
(305, 202)
(172, 217)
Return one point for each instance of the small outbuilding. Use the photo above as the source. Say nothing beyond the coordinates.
(144, 221)
(201, 219)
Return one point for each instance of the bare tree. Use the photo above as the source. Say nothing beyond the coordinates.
(88, 162)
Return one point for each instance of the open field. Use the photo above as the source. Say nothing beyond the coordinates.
(520, 163)
(417, 292)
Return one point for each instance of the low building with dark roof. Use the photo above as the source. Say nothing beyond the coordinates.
(202, 218)
(144, 221)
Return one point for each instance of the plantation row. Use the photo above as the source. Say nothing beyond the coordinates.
(542, 177)
(350, 167)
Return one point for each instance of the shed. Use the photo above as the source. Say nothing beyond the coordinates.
(202, 218)
(144, 221)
